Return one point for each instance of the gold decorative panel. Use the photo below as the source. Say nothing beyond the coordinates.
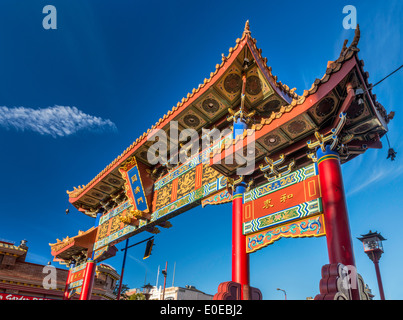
(209, 174)
(273, 140)
(270, 105)
(211, 105)
(256, 87)
(230, 85)
(298, 126)
(191, 120)
(186, 183)
(324, 108)
(163, 196)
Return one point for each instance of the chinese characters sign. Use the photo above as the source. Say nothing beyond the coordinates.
(134, 186)
(76, 279)
(280, 207)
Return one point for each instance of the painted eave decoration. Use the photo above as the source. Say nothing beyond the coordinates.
(80, 244)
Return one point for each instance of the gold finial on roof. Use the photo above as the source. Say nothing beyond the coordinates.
(247, 29)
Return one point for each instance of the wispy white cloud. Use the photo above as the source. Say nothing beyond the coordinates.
(362, 174)
(57, 121)
(368, 181)
(141, 263)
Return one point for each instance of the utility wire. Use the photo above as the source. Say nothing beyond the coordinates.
(384, 78)
(391, 152)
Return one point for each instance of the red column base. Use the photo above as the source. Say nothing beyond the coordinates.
(232, 291)
(335, 286)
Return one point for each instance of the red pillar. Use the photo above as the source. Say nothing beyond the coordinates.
(240, 259)
(378, 277)
(66, 288)
(338, 237)
(86, 288)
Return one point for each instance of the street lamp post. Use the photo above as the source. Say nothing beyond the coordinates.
(373, 247)
(147, 290)
(148, 252)
(285, 293)
(164, 272)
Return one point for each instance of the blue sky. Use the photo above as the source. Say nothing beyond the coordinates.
(81, 94)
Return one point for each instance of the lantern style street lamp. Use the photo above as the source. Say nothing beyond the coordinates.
(147, 291)
(373, 247)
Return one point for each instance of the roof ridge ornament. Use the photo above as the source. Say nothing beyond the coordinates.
(356, 38)
(247, 28)
(344, 48)
(354, 43)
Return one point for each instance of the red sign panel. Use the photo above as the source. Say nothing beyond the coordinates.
(291, 196)
(8, 296)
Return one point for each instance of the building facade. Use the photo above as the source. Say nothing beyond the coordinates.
(22, 280)
(179, 293)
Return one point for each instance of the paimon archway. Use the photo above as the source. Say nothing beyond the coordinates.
(272, 153)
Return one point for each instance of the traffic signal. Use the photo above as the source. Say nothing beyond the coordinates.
(149, 247)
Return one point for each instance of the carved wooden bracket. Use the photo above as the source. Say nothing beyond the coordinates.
(332, 137)
(274, 169)
(140, 214)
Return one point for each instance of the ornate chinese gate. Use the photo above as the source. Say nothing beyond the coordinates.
(291, 145)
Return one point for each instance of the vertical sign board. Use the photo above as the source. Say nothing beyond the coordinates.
(134, 187)
(112, 229)
(289, 206)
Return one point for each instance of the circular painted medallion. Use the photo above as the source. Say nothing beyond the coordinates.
(253, 85)
(272, 140)
(296, 126)
(191, 120)
(325, 107)
(232, 83)
(210, 105)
